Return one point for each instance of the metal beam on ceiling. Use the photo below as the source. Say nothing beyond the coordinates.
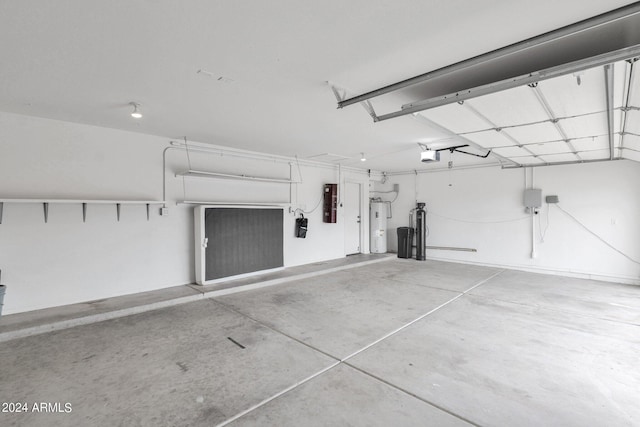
(565, 152)
(341, 93)
(574, 162)
(590, 47)
(608, 78)
(519, 125)
(554, 119)
(581, 65)
(498, 129)
(629, 83)
(560, 33)
(555, 140)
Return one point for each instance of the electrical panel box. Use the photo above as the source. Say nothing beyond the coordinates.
(533, 198)
(330, 205)
(552, 199)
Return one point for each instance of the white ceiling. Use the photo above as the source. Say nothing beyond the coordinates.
(265, 67)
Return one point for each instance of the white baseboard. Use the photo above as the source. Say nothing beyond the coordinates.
(629, 280)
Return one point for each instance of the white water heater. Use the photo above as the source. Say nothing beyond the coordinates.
(378, 225)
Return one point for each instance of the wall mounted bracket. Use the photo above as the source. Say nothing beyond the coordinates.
(45, 205)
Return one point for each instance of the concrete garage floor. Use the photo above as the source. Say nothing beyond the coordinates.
(393, 343)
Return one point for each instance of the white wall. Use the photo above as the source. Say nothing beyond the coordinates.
(67, 261)
(483, 209)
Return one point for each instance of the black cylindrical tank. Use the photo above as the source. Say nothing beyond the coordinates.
(421, 232)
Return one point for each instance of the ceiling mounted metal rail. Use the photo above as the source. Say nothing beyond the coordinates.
(443, 129)
(554, 120)
(537, 122)
(561, 70)
(456, 149)
(595, 21)
(572, 162)
(506, 134)
(577, 138)
(615, 17)
(627, 96)
(608, 78)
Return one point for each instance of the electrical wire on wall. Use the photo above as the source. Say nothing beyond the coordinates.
(184, 184)
(596, 235)
(300, 179)
(450, 166)
(295, 212)
(543, 232)
(500, 221)
(533, 213)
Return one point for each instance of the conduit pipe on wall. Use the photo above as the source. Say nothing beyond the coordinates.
(213, 174)
(608, 78)
(175, 145)
(270, 158)
(533, 225)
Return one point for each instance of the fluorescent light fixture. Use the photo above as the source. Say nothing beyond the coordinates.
(136, 114)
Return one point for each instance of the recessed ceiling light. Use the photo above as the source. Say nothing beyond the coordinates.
(136, 114)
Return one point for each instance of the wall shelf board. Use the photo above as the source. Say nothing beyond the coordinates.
(207, 202)
(89, 201)
(84, 202)
(218, 175)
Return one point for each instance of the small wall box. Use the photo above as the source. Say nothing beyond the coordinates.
(533, 198)
(552, 199)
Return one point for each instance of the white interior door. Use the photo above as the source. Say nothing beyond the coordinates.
(353, 217)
